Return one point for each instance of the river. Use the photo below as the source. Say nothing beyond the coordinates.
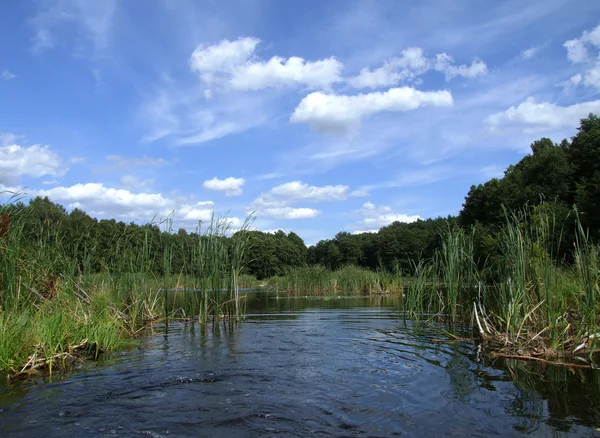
(304, 367)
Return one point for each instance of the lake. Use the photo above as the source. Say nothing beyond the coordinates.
(305, 367)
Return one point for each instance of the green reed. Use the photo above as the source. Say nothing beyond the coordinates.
(455, 265)
(318, 280)
(587, 263)
(417, 301)
(52, 300)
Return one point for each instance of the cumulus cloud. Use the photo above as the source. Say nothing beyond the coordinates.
(289, 213)
(235, 64)
(99, 200)
(585, 51)
(411, 64)
(214, 111)
(7, 75)
(339, 113)
(445, 63)
(231, 186)
(374, 217)
(34, 161)
(544, 114)
(122, 204)
(223, 57)
(200, 211)
(297, 191)
(277, 202)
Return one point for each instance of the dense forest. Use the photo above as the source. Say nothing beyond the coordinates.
(557, 176)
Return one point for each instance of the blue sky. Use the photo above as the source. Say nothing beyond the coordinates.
(318, 116)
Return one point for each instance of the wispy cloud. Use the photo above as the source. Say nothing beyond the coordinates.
(7, 75)
(93, 19)
(119, 162)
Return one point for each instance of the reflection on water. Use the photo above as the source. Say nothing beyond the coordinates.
(305, 366)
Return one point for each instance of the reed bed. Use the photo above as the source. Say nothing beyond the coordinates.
(54, 309)
(527, 303)
(318, 280)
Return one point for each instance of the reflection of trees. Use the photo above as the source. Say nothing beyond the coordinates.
(558, 396)
(462, 379)
(266, 303)
(527, 406)
(571, 395)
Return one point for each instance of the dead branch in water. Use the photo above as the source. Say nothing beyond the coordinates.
(538, 359)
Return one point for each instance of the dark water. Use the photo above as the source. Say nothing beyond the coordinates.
(305, 367)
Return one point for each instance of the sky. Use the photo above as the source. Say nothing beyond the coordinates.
(317, 117)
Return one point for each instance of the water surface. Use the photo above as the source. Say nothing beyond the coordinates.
(305, 367)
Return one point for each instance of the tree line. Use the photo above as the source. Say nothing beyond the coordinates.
(554, 176)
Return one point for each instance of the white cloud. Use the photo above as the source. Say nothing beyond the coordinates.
(289, 213)
(410, 64)
(34, 161)
(97, 199)
(529, 53)
(338, 113)
(94, 19)
(144, 161)
(444, 63)
(231, 186)
(134, 183)
(297, 191)
(374, 217)
(381, 77)
(201, 211)
(576, 48)
(573, 81)
(543, 114)
(223, 57)
(276, 203)
(5, 74)
(585, 50)
(576, 51)
(234, 64)
(279, 72)
(106, 202)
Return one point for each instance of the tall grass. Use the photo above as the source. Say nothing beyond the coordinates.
(587, 262)
(418, 300)
(318, 280)
(456, 268)
(216, 265)
(529, 299)
(50, 302)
